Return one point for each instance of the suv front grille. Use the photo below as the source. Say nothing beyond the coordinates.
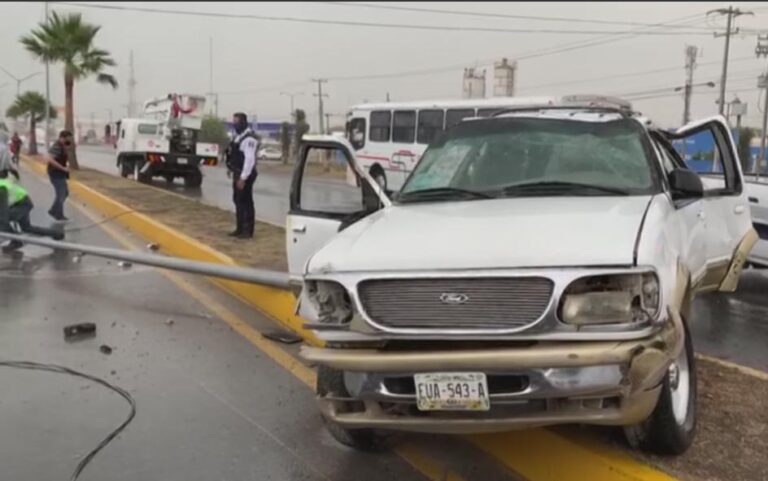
(456, 303)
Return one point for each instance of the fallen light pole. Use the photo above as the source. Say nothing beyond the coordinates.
(244, 274)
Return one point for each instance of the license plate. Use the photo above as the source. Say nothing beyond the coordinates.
(452, 391)
(181, 160)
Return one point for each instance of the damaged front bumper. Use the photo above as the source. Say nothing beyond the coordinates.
(608, 382)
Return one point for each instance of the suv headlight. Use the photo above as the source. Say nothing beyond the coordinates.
(330, 300)
(611, 299)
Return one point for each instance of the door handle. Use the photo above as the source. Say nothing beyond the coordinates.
(754, 200)
(300, 229)
(739, 209)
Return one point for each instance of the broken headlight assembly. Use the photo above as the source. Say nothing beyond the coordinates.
(611, 299)
(331, 302)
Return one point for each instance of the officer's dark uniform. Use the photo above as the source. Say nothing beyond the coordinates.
(243, 198)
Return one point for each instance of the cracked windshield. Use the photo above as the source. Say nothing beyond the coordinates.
(334, 241)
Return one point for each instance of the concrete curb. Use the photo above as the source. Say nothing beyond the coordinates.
(276, 303)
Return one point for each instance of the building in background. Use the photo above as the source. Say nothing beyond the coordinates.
(504, 78)
(473, 86)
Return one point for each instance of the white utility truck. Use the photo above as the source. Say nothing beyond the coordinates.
(163, 141)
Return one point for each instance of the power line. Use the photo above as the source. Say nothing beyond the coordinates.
(502, 15)
(350, 23)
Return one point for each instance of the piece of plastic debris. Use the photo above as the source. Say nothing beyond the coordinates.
(124, 264)
(153, 246)
(169, 321)
(82, 329)
(105, 349)
(280, 335)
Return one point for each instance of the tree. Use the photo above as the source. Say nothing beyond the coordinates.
(68, 40)
(745, 135)
(32, 105)
(285, 141)
(301, 128)
(214, 131)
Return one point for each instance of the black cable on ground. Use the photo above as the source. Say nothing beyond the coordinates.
(34, 366)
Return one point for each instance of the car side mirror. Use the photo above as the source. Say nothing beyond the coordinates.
(685, 184)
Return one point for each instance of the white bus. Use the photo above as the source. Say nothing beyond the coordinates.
(390, 137)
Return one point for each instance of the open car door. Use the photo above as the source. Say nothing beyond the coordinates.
(321, 202)
(707, 147)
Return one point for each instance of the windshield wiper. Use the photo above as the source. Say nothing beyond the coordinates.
(560, 187)
(442, 193)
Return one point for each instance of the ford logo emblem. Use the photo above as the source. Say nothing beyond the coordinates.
(453, 298)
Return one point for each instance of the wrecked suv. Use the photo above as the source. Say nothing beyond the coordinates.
(536, 268)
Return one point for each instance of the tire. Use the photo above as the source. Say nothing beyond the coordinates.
(671, 427)
(379, 176)
(193, 179)
(331, 382)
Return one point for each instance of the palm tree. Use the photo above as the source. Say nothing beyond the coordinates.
(32, 105)
(69, 40)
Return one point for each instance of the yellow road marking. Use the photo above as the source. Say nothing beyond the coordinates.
(541, 455)
(427, 466)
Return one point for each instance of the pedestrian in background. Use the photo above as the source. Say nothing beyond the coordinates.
(16, 144)
(241, 161)
(58, 173)
(7, 164)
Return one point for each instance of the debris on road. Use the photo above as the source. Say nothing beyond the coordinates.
(124, 264)
(80, 331)
(169, 321)
(283, 336)
(105, 349)
(153, 246)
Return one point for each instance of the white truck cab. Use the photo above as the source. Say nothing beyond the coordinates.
(536, 268)
(163, 142)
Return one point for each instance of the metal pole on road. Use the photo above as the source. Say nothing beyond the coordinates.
(265, 277)
(320, 96)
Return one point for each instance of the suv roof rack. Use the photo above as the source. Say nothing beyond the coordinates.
(583, 107)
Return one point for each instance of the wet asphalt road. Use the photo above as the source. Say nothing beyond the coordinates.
(211, 406)
(729, 326)
(270, 190)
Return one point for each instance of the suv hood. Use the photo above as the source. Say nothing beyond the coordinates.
(488, 234)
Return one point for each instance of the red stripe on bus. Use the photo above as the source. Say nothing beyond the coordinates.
(374, 157)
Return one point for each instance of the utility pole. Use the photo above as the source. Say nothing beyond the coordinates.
(131, 87)
(47, 93)
(320, 96)
(731, 14)
(761, 50)
(214, 96)
(328, 122)
(387, 96)
(292, 95)
(690, 63)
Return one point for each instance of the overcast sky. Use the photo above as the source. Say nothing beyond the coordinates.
(255, 59)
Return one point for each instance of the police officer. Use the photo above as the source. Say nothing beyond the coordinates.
(241, 161)
(15, 207)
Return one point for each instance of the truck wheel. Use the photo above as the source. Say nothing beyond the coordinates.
(126, 169)
(671, 427)
(331, 382)
(193, 179)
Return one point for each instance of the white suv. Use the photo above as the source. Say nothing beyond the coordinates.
(536, 268)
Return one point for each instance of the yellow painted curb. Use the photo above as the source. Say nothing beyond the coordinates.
(277, 303)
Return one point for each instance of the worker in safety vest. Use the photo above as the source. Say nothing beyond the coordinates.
(15, 207)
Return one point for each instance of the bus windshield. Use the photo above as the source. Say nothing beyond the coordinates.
(533, 156)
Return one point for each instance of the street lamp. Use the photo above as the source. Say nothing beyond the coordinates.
(292, 95)
(19, 80)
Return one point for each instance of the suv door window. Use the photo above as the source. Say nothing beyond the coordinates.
(706, 151)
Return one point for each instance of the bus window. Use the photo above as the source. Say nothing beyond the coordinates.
(404, 126)
(430, 124)
(356, 132)
(454, 116)
(381, 125)
(489, 111)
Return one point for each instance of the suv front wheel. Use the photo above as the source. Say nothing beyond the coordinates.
(671, 427)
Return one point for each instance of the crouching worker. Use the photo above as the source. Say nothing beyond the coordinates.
(15, 207)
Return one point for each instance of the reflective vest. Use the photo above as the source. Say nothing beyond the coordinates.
(16, 193)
